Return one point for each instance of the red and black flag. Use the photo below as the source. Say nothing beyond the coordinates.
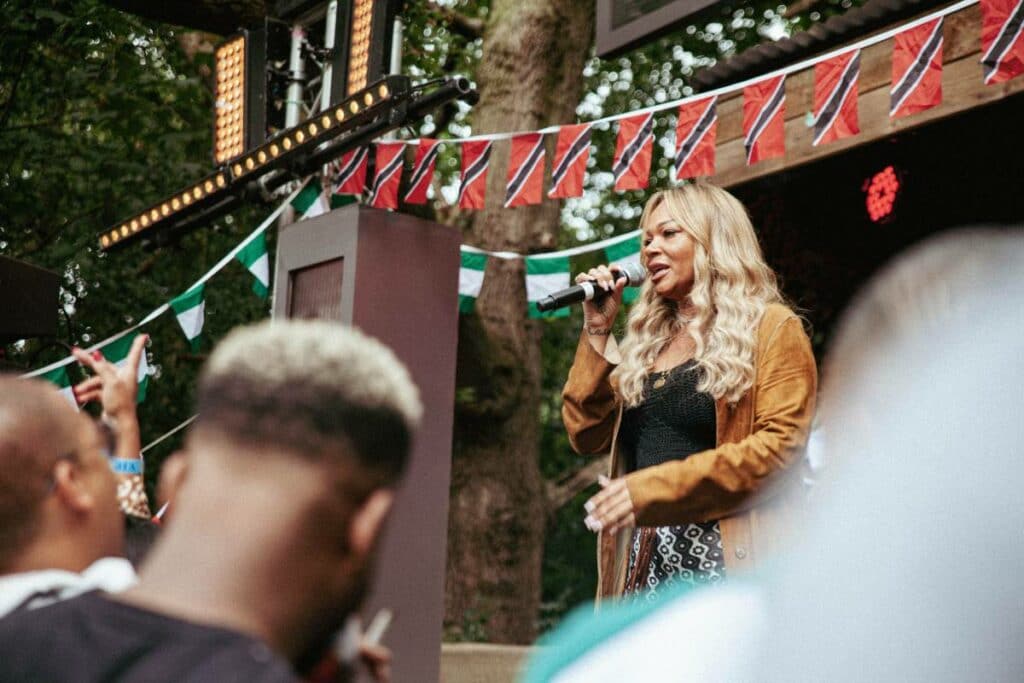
(525, 170)
(764, 126)
(835, 97)
(632, 164)
(571, 154)
(696, 128)
(384, 194)
(351, 176)
(1002, 44)
(422, 171)
(476, 156)
(916, 69)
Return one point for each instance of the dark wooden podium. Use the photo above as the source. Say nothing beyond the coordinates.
(394, 277)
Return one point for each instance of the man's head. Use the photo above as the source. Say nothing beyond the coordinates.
(318, 390)
(304, 428)
(58, 495)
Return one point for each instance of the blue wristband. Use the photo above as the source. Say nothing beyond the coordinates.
(126, 466)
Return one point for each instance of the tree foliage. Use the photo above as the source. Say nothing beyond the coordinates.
(102, 112)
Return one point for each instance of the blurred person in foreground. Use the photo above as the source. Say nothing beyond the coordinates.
(908, 568)
(704, 408)
(304, 429)
(61, 532)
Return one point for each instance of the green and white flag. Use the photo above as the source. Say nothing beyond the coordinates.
(59, 377)
(471, 278)
(190, 309)
(117, 353)
(546, 276)
(254, 257)
(340, 200)
(312, 201)
(622, 254)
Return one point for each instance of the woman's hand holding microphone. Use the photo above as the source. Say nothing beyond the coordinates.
(599, 314)
(612, 508)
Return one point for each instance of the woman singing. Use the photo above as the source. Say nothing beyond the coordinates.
(709, 396)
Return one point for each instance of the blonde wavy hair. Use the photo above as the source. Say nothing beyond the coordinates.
(732, 286)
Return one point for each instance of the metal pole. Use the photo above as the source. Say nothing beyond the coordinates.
(396, 47)
(292, 116)
(297, 75)
(395, 67)
(331, 23)
(330, 29)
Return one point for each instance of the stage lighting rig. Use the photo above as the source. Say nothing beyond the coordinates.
(247, 73)
(292, 153)
(229, 125)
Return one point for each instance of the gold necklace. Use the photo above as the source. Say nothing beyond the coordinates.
(662, 376)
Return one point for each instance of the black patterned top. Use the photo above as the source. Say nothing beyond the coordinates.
(673, 422)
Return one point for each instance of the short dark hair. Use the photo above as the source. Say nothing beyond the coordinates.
(34, 434)
(312, 388)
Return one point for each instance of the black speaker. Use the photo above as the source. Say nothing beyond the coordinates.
(28, 301)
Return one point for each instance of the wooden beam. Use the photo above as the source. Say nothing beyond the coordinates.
(962, 85)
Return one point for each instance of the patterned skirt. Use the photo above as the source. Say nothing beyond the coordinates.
(662, 556)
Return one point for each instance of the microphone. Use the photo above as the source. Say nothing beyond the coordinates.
(634, 274)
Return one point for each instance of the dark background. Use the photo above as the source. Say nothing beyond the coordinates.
(962, 171)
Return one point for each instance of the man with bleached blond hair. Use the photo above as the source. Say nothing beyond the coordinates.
(304, 429)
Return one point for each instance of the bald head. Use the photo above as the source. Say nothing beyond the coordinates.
(37, 428)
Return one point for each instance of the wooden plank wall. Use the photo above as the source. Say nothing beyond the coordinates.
(962, 88)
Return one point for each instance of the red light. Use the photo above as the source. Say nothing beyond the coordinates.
(881, 191)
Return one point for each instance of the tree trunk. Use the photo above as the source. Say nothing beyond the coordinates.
(530, 76)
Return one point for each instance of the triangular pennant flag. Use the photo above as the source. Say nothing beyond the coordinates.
(632, 165)
(350, 178)
(312, 201)
(916, 69)
(117, 353)
(545, 276)
(471, 278)
(696, 129)
(1002, 39)
(254, 257)
(384, 193)
(525, 170)
(59, 377)
(835, 97)
(625, 253)
(764, 126)
(422, 171)
(572, 152)
(190, 309)
(476, 157)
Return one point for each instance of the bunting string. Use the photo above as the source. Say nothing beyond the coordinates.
(169, 434)
(733, 87)
(163, 308)
(197, 286)
(564, 253)
(914, 88)
(836, 75)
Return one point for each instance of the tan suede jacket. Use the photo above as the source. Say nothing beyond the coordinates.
(758, 438)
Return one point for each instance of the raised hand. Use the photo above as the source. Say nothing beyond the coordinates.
(116, 388)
